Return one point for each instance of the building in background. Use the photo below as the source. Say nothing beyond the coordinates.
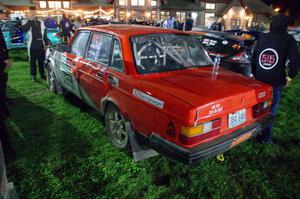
(208, 15)
(84, 8)
(243, 14)
(234, 13)
(138, 9)
(16, 5)
(181, 8)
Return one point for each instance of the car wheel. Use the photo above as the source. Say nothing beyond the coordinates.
(116, 128)
(51, 79)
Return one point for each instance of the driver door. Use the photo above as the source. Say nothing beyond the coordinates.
(92, 69)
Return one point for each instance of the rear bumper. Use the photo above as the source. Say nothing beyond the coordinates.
(209, 149)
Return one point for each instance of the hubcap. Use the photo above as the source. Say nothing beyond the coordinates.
(117, 128)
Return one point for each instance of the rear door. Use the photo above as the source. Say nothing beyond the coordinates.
(91, 71)
(71, 61)
(115, 73)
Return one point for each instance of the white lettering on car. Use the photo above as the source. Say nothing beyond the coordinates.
(147, 98)
(215, 109)
(261, 95)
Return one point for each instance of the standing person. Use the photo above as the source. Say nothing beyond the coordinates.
(77, 23)
(176, 25)
(169, 23)
(210, 22)
(66, 27)
(269, 59)
(36, 45)
(4, 61)
(217, 25)
(50, 22)
(188, 24)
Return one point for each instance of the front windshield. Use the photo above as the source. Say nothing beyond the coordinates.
(167, 52)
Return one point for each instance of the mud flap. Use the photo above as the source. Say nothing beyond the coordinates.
(139, 152)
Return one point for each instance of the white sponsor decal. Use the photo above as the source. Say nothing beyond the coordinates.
(215, 109)
(209, 42)
(224, 42)
(147, 98)
(261, 95)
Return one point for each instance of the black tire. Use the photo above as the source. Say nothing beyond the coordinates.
(51, 79)
(115, 124)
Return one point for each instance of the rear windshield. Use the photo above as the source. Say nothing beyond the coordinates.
(167, 52)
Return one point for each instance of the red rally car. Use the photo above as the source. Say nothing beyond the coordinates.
(163, 83)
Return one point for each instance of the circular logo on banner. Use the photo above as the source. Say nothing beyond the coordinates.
(268, 58)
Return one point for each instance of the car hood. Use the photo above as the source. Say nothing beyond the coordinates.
(199, 88)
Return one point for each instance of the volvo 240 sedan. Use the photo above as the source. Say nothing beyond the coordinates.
(162, 82)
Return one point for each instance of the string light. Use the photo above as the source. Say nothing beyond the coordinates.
(71, 11)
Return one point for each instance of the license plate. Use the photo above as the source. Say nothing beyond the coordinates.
(237, 118)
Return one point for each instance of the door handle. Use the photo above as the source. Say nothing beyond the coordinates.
(113, 80)
(99, 74)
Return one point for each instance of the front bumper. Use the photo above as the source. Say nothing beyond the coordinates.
(209, 149)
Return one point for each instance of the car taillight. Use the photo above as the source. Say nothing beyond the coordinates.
(192, 135)
(241, 57)
(261, 108)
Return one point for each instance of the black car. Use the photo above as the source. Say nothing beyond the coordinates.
(248, 36)
(234, 51)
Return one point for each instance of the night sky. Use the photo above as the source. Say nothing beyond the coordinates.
(292, 5)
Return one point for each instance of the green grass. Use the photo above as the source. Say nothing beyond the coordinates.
(63, 152)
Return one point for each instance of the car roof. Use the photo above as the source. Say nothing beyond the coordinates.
(130, 30)
(219, 35)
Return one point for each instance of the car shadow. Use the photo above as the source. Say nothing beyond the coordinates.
(41, 138)
(77, 102)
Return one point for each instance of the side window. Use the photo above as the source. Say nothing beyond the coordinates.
(8, 27)
(99, 49)
(117, 58)
(79, 44)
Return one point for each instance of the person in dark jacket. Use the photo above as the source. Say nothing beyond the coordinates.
(275, 52)
(188, 24)
(66, 28)
(50, 22)
(37, 43)
(4, 61)
(217, 25)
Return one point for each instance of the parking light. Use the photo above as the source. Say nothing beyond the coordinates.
(191, 135)
(261, 108)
